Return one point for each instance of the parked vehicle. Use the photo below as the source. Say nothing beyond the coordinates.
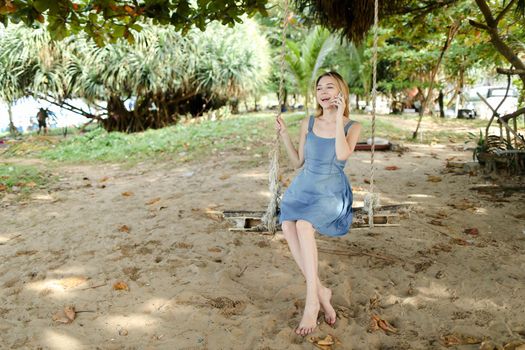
(474, 107)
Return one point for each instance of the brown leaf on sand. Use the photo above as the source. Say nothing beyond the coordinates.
(514, 345)
(459, 241)
(436, 223)
(70, 312)
(124, 228)
(375, 302)
(127, 194)
(441, 247)
(325, 343)
(432, 178)
(458, 339)
(120, 286)
(224, 177)
(3, 187)
(463, 204)
(104, 179)
(489, 345)
(377, 323)
(67, 315)
(391, 167)
(471, 231)
(227, 306)
(153, 201)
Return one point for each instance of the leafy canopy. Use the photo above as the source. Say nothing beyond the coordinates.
(108, 20)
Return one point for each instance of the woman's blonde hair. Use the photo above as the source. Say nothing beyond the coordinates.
(343, 88)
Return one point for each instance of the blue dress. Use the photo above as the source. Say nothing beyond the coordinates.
(321, 193)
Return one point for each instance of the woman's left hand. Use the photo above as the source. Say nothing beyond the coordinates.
(339, 103)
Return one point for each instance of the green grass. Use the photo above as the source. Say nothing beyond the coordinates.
(22, 179)
(247, 134)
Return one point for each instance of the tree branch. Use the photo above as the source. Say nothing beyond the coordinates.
(515, 114)
(485, 10)
(510, 71)
(67, 106)
(478, 25)
(504, 11)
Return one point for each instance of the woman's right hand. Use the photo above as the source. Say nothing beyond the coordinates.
(280, 126)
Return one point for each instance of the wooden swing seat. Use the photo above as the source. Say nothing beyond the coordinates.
(251, 221)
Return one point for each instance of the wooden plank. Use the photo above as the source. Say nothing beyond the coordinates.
(251, 220)
(363, 146)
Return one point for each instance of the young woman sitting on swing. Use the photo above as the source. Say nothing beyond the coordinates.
(320, 196)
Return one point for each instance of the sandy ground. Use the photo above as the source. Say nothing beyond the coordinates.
(187, 282)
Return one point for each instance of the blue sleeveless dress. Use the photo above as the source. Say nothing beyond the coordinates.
(321, 193)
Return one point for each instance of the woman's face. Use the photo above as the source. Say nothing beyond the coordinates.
(326, 90)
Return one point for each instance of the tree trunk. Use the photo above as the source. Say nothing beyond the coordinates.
(491, 27)
(12, 129)
(454, 27)
(441, 106)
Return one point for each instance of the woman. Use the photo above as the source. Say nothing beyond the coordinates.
(320, 197)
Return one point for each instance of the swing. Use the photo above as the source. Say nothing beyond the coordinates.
(370, 215)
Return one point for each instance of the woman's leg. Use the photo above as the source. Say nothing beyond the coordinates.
(324, 293)
(306, 236)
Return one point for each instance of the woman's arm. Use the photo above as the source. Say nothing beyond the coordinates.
(296, 156)
(344, 147)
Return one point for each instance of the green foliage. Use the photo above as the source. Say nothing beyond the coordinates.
(251, 134)
(108, 20)
(161, 67)
(305, 59)
(183, 142)
(25, 178)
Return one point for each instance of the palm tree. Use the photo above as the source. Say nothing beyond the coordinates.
(165, 73)
(304, 61)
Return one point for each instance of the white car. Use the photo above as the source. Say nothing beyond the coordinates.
(494, 95)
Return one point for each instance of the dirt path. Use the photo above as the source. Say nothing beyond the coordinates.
(195, 285)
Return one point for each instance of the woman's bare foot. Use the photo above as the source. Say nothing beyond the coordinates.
(309, 320)
(325, 295)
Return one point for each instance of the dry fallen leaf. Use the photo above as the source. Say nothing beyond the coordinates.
(325, 343)
(436, 223)
(489, 345)
(67, 315)
(377, 323)
(153, 201)
(514, 345)
(215, 250)
(30, 184)
(432, 178)
(70, 312)
(104, 179)
(124, 228)
(471, 231)
(459, 241)
(127, 194)
(458, 339)
(463, 204)
(224, 177)
(120, 286)
(391, 167)
(3, 187)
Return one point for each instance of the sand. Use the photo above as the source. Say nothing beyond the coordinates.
(187, 282)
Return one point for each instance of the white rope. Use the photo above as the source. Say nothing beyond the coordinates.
(270, 217)
(372, 199)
